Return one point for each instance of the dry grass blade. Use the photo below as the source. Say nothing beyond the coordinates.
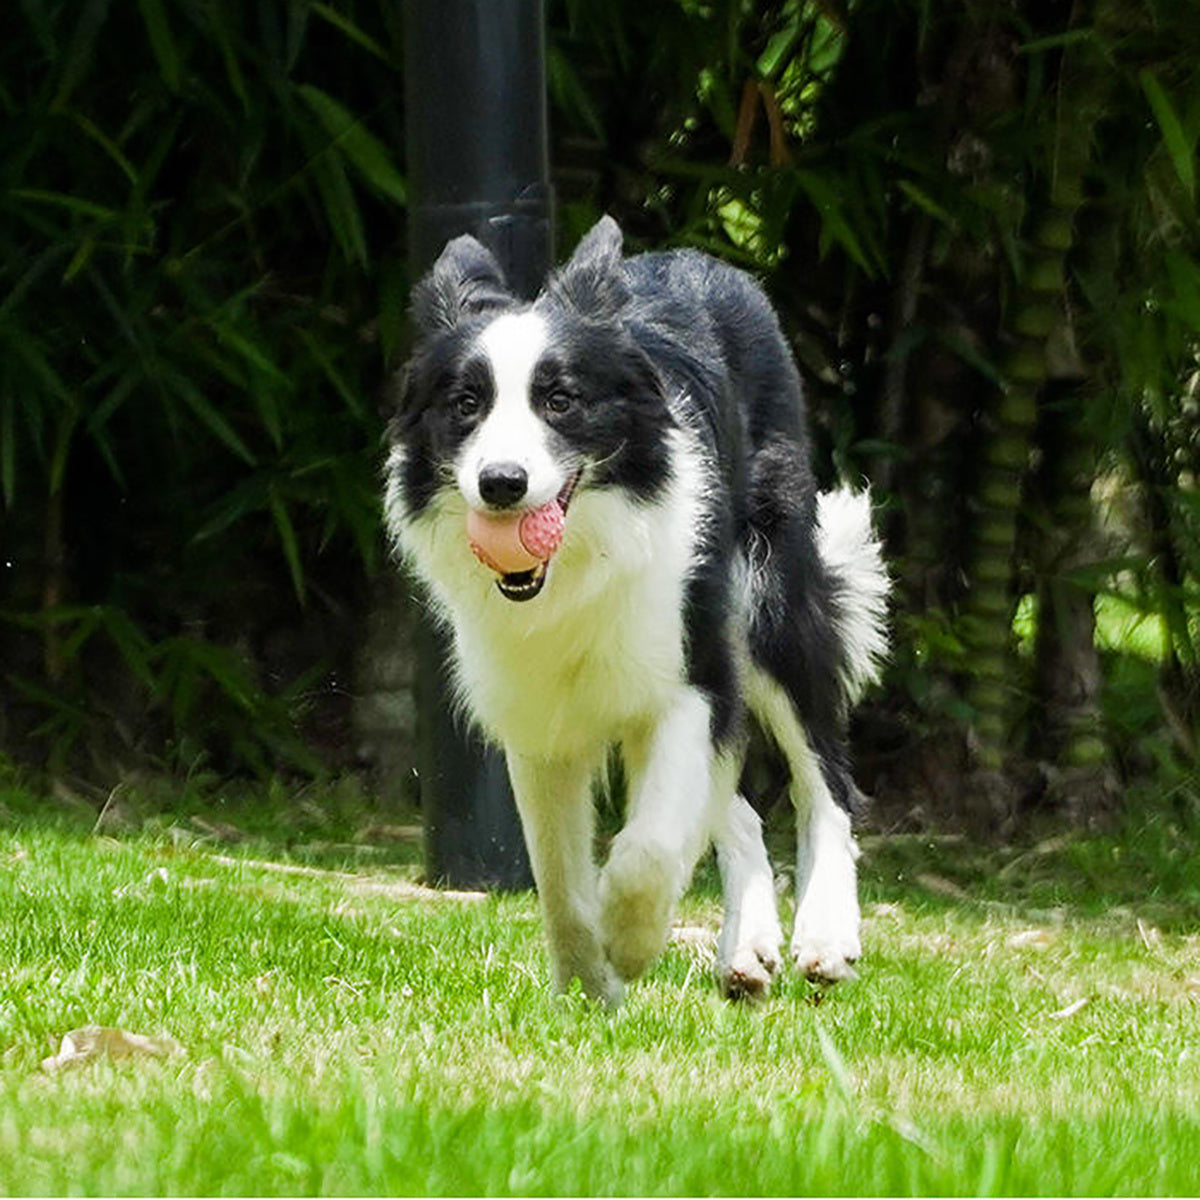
(1036, 939)
(941, 886)
(92, 1042)
(1151, 937)
(398, 889)
(1053, 845)
(1071, 1009)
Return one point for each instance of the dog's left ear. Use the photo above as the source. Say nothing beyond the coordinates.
(466, 279)
(593, 280)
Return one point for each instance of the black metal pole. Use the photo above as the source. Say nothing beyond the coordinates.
(475, 103)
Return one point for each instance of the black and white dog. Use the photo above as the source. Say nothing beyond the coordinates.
(607, 493)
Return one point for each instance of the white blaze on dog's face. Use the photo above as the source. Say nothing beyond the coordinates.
(511, 438)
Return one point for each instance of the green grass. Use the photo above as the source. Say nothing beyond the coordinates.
(348, 1032)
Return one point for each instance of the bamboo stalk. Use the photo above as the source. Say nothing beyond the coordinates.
(1037, 312)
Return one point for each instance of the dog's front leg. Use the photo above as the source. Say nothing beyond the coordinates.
(668, 826)
(555, 802)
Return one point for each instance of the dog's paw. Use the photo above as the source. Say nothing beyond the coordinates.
(576, 953)
(748, 955)
(826, 951)
(748, 973)
(602, 984)
(637, 895)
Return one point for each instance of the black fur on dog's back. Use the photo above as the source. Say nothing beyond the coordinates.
(726, 371)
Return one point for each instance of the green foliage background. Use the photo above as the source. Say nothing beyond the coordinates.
(978, 220)
(202, 275)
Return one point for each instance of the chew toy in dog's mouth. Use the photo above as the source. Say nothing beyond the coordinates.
(518, 545)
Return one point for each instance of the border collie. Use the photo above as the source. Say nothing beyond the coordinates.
(607, 494)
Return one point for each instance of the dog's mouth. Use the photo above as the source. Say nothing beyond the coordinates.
(522, 585)
(519, 546)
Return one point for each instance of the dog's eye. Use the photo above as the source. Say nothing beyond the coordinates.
(559, 402)
(466, 404)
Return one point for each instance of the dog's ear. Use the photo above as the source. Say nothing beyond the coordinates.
(466, 279)
(593, 280)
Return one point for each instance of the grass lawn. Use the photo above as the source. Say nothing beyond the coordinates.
(1025, 1022)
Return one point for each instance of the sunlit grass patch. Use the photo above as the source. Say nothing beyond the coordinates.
(1024, 1022)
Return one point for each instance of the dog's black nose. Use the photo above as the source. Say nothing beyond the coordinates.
(503, 483)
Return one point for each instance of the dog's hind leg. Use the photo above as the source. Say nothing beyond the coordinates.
(668, 827)
(555, 803)
(748, 952)
(825, 938)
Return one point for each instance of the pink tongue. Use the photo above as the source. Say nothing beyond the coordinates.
(512, 542)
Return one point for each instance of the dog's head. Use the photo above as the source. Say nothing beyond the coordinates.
(518, 407)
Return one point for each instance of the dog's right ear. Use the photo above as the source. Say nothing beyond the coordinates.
(465, 280)
(593, 280)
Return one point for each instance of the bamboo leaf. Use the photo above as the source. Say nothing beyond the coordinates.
(318, 353)
(1180, 147)
(1184, 274)
(80, 259)
(209, 417)
(247, 497)
(287, 539)
(924, 201)
(1058, 41)
(103, 443)
(62, 448)
(80, 53)
(779, 49)
(71, 645)
(352, 31)
(220, 665)
(365, 151)
(714, 92)
(106, 144)
(131, 643)
(569, 93)
(341, 209)
(161, 41)
(834, 226)
(116, 397)
(973, 357)
(255, 356)
(33, 354)
(233, 72)
(17, 293)
(85, 208)
(8, 451)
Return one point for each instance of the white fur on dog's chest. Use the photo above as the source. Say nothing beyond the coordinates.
(576, 687)
(602, 648)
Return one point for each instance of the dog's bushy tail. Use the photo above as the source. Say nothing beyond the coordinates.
(849, 548)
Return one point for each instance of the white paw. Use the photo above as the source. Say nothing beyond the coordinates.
(637, 895)
(825, 946)
(576, 953)
(749, 970)
(748, 954)
(601, 983)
